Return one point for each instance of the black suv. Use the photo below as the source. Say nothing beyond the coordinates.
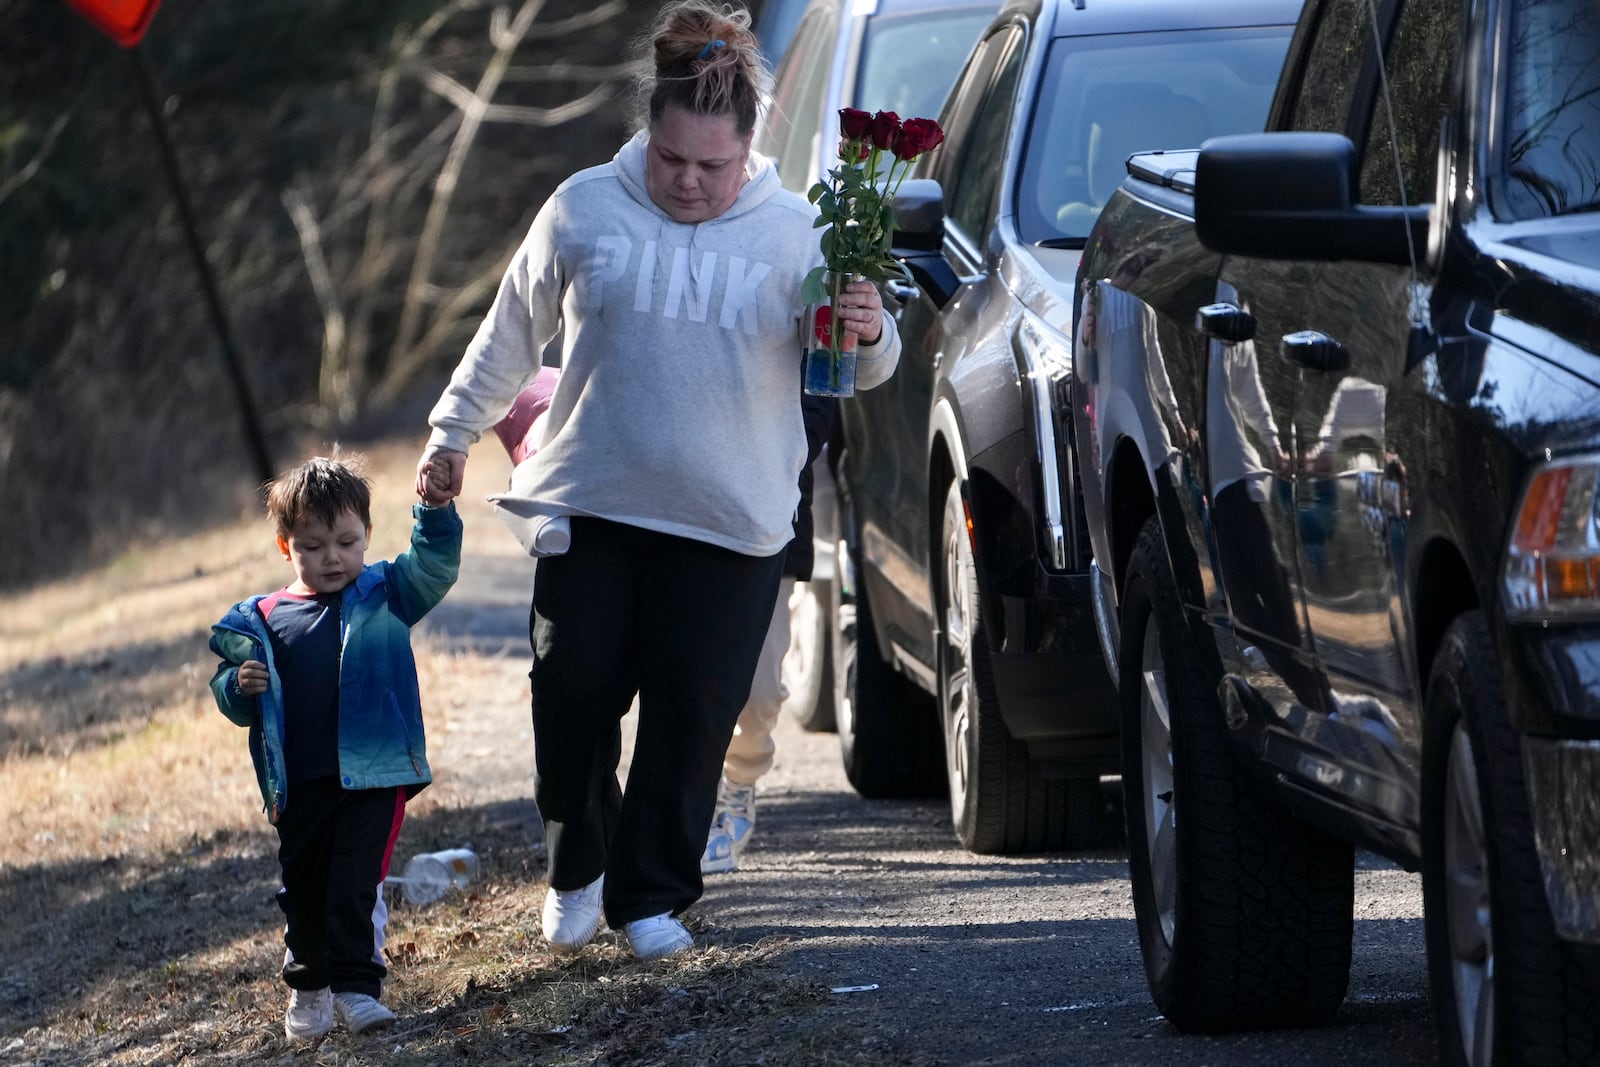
(965, 568)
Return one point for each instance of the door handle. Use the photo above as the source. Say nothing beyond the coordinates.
(1225, 322)
(904, 292)
(1317, 351)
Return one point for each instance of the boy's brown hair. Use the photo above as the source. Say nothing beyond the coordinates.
(320, 489)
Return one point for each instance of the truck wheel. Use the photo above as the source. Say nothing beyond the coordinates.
(1505, 988)
(1244, 914)
(888, 732)
(808, 665)
(999, 802)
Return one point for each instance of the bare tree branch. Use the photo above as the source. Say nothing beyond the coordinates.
(25, 174)
(404, 366)
(597, 16)
(334, 380)
(464, 99)
(570, 72)
(444, 188)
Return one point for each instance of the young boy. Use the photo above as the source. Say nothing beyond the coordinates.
(322, 673)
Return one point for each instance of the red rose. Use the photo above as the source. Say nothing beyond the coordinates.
(917, 136)
(854, 124)
(885, 127)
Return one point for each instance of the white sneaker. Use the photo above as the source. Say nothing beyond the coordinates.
(731, 827)
(658, 936)
(360, 1012)
(572, 916)
(310, 1014)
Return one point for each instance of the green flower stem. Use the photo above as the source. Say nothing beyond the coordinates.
(837, 280)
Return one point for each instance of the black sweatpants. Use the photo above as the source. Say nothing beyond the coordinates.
(680, 623)
(334, 846)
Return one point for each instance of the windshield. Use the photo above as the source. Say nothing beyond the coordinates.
(909, 62)
(1553, 118)
(1100, 102)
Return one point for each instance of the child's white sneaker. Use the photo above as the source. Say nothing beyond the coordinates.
(360, 1012)
(310, 1014)
(658, 936)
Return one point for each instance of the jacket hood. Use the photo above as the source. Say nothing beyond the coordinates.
(629, 163)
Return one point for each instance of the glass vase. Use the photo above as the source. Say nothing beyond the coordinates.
(830, 366)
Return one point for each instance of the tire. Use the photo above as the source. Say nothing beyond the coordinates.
(1505, 988)
(808, 665)
(999, 802)
(1244, 914)
(888, 731)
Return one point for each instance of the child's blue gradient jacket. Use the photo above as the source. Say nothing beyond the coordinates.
(380, 709)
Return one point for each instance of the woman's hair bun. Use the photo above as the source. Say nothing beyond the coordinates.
(706, 58)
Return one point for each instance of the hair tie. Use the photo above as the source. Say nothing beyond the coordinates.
(712, 46)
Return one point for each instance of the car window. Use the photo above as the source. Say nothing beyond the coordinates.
(1420, 77)
(972, 202)
(948, 164)
(791, 125)
(776, 24)
(909, 61)
(1333, 67)
(1101, 100)
(1552, 117)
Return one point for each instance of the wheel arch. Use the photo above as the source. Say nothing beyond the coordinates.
(1444, 589)
(1129, 503)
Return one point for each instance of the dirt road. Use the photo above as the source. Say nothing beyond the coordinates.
(935, 954)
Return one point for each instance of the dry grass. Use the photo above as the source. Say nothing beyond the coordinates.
(138, 873)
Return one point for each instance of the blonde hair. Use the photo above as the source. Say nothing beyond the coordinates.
(704, 58)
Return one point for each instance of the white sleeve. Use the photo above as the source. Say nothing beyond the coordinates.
(876, 362)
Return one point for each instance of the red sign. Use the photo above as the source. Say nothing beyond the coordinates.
(124, 21)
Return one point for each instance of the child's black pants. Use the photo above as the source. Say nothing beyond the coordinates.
(334, 846)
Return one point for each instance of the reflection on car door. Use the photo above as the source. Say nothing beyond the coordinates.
(1364, 426)
(1352, 421)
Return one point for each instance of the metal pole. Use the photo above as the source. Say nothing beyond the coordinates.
(254, 437)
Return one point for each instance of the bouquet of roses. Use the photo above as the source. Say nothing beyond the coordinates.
(856, 202)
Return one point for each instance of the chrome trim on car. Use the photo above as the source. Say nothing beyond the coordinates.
(911, 665)
(1043, 375)
(1103, 596)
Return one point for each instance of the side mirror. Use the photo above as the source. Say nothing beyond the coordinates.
(1293, 196)
(919, 216)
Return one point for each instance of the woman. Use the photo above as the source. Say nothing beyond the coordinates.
(669, 282)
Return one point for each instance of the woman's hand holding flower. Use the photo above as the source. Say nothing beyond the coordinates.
(860, 311)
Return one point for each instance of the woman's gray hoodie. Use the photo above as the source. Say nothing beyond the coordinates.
(678, 408)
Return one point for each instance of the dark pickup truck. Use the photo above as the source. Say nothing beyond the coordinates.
(1336, 395)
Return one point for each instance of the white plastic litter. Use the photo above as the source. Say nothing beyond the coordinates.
(430, 875)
